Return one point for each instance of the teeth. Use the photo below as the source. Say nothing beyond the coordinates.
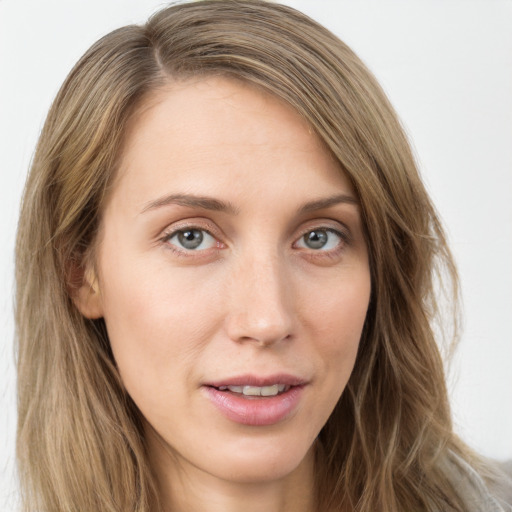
(270, 390)
(273, 390)
(252, 391)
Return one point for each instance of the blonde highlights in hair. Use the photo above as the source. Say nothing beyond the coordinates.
(80, 442)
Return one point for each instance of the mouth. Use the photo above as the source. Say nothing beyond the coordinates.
(256, 391)
(258, 386)
(256, 401)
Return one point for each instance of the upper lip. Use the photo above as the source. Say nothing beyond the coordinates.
(258, 380)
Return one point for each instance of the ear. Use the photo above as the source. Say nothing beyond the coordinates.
(86, 293)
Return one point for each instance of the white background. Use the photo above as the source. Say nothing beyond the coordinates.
(447, 67)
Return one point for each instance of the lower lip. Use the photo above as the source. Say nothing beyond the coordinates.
(255, 411)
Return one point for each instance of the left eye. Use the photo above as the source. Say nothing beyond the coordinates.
(192, 239)
(319, 239)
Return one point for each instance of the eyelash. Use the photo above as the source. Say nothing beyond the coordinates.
(184, 252)
(344, 240)
(344, 237)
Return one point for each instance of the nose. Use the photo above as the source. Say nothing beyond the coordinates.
(261, 302)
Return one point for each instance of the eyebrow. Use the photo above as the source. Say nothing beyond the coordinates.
(193, 201)
(320, 204)
(209, 203)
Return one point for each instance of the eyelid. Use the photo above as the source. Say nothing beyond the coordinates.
(323, 256)
(328, 225)
(206, 238)
(199, 223)
(190, 224)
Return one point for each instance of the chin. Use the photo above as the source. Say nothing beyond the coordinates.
(257, 462)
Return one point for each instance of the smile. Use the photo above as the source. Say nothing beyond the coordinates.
(256, 401)
(272, 390)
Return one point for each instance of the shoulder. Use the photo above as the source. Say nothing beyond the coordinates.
(502, 487)
(494, 495)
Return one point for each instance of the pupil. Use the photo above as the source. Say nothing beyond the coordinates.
(315, 239)
(190, 239)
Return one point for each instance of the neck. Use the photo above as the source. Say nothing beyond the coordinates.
(183, 487)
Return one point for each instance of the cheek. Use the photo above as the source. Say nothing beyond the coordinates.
(337, 310)
(153, 321)
(335, 319)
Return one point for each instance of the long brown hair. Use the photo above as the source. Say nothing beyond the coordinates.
(389, 443)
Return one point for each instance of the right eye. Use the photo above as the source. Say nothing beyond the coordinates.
(191, 239)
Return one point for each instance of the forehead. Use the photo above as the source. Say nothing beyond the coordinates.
(214, 133)
(195, 109)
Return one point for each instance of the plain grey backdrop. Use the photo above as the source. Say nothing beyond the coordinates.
(447, 68)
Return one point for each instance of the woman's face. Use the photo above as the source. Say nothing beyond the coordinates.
(233, 278)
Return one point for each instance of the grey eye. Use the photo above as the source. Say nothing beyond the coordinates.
(315, 239)
(192, 239)
(320, 239)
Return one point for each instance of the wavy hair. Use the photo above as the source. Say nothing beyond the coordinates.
(388, 445)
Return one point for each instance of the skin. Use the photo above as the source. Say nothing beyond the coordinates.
(255, 298)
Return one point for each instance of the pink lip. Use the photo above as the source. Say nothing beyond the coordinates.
(256, 411)
(257, 380)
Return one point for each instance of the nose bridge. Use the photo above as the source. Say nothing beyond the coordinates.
(260, 306)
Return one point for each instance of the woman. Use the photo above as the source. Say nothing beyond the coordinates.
(240, 258)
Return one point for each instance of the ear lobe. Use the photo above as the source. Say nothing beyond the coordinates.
(87, 297)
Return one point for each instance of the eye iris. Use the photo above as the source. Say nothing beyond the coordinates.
(190, 239)
(315, 239)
